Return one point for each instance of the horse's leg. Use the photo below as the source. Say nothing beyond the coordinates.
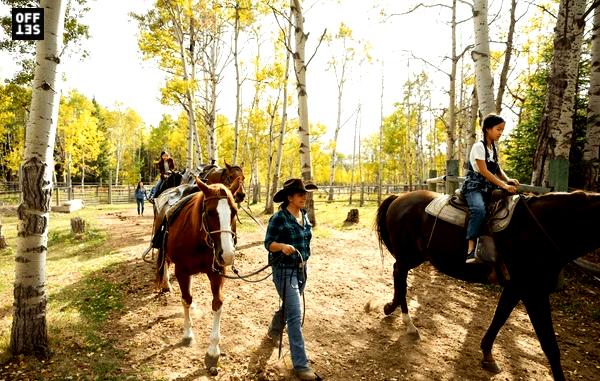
(184, 279)
(212, 354)
(508, 301)
(400, 275)
(538, 309)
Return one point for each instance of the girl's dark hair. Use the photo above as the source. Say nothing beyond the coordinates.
(138, 187)
(489, 122)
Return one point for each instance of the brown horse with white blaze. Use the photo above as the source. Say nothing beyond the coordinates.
(200, 239)
(545, 233)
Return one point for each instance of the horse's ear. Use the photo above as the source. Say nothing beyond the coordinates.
(227, 165)
(203, 187)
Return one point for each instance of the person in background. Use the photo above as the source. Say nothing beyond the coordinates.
(140, 196)
(288, 241)
(483, 176)
(166, 166)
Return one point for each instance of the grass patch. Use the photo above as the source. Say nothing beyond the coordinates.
(81, 295)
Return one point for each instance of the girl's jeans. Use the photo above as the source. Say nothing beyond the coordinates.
(477, 210)
(140, 206)
(293, 281)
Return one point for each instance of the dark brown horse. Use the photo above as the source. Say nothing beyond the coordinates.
(545, 233)
(200, 239)
(213, 174)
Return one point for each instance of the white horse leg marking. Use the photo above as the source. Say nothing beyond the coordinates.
(226, 238)
(188, 333)
(410, 327)
(215, 335)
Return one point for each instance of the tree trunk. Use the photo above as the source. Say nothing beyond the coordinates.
(556, 125)
(304, 127)
(77, 225)
(354, 153)
(591, 152)
(481, 57)
(29, 333)
(507, 57)
(238, 84)
(379, 158)
(451, 132)
(2, 239)
(472, 126)
(277, 170)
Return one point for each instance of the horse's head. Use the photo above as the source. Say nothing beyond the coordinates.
(218, 219)
(232, 173)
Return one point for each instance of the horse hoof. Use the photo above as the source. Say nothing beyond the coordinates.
(388, 308)
(187, 341)
(213, 371)
(210, 361)
(490, 366)
(414, 335)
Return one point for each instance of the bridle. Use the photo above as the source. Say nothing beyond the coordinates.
(204, 225)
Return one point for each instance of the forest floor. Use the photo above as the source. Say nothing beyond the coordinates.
(347, 335)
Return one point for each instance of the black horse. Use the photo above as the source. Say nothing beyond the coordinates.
(545, 233)
(171, 180)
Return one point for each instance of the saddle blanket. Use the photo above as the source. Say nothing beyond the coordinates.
(441, 208)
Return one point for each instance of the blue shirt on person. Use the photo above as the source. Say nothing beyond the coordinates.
(283, 228)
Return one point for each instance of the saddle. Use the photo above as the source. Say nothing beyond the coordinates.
(168, 205)
(454, 209)
(206, 170)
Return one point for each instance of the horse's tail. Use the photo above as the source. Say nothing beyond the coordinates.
(162, 266)
(380, 224)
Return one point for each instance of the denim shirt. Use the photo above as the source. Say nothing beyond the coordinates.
(140, 194)
(284, 228)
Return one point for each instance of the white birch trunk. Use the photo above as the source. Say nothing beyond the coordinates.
(481, 57)
(238, 84)
(29, 334)
(556, 126)
(591, 152)
(211, 127)
(451, 132)
(304, 128)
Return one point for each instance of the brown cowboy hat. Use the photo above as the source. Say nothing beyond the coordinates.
(292, 186)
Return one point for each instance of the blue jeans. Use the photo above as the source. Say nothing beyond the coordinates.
(140, 205)
(157, 187)
(293, 281)
(477, 210)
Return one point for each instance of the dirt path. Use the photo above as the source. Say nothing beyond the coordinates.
(346, 340)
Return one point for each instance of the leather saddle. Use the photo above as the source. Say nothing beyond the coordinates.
(455, 210)
(168, 205)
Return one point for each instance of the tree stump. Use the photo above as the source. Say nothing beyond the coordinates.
(352, 217)
(77, 225)
(2, 239)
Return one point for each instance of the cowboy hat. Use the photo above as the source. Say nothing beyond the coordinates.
(292, 186)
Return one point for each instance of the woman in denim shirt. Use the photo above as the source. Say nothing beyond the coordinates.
(484, 175)
(288, 241)
(140, 196)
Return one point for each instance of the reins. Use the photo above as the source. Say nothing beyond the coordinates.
(537, 222)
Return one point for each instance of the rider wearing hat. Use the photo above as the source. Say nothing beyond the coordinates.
(288, 241)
